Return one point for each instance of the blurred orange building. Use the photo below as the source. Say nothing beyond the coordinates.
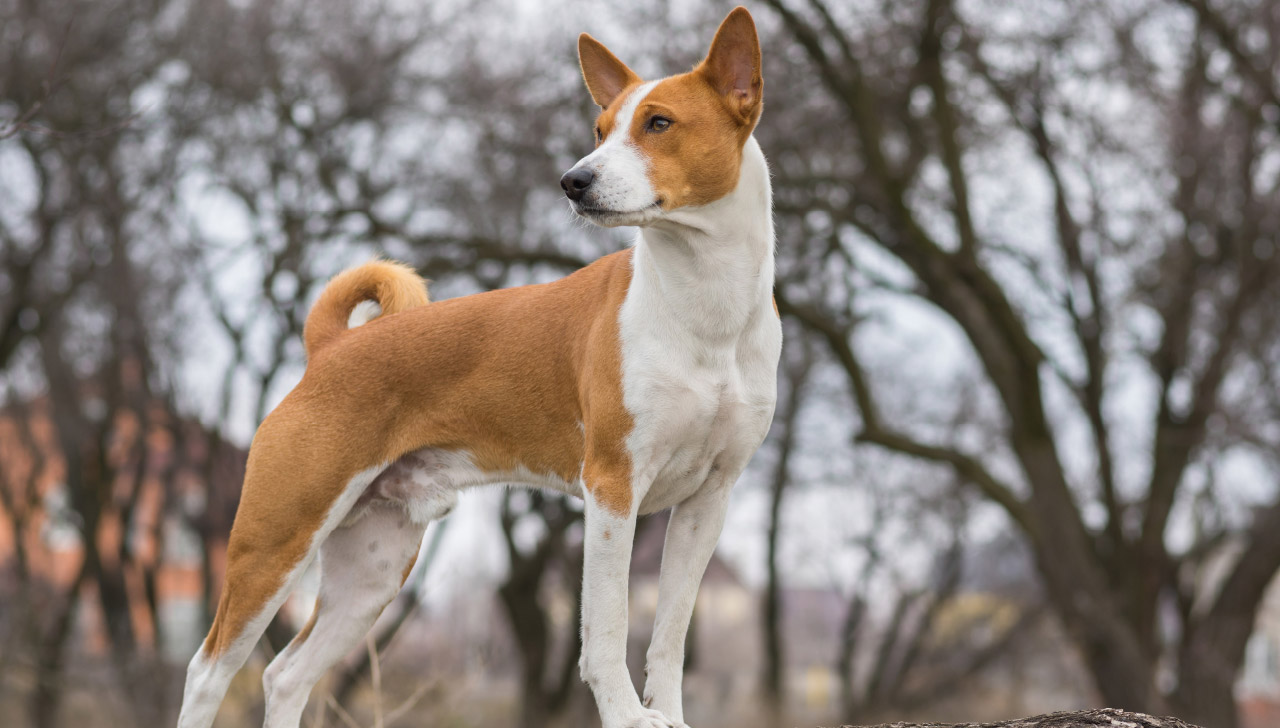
(162, 524)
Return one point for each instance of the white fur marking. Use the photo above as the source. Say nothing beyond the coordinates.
(621, 172)
(363, 313)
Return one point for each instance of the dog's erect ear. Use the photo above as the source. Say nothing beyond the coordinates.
(732, 66)
(605, 75)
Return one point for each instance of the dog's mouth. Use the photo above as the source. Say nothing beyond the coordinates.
(610, 218)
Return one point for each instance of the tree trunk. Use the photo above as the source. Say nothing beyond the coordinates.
(542, 698)
(1211, 699)
(850, 699)
(47, 695)
(1105, 718)
(520, 599)
(1209, 663)
(771, 611)
(1121, 671)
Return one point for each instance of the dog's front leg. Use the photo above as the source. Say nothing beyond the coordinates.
(691, 538)
(606, 564)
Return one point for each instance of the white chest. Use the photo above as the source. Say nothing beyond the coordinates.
(701, 406)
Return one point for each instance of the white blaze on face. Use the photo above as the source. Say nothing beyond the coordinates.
(621, 172)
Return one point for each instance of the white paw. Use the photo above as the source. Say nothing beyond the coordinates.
(654, 706)
(650, 718)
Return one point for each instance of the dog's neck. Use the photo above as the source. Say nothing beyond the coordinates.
(711, 267)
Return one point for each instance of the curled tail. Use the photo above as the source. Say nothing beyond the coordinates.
(393, 286)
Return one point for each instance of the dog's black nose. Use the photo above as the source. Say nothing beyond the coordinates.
(575, 182)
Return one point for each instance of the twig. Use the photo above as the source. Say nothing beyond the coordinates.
(48, 87)
(320, 715)
(375, 677)
(409, 703)
(344, 715)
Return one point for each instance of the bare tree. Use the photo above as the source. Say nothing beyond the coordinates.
(918, 94)
(79, 341)
(903, 642)
(786, 424)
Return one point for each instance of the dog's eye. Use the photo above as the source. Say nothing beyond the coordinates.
(599, 135)
(658, 123)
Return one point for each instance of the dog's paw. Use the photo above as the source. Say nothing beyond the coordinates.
(653, 706)
(650, 718)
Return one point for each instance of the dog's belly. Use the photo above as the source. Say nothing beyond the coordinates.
(426, 483)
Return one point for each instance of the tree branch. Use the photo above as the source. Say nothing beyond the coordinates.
(938, 14)
(873, 431)
(1088, 324)
(1259, 75)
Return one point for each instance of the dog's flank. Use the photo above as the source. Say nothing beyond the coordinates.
(642, 382)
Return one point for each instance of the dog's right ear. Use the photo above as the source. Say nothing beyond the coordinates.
(732, 66)
(605, 75)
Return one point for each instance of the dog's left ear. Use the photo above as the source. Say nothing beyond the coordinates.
(606, 76)
(732, 66)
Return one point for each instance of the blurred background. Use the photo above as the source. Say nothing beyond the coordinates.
(1027, 448)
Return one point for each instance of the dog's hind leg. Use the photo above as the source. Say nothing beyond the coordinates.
(256, 587)
(210, 672)
(362, 567)
(272, 542)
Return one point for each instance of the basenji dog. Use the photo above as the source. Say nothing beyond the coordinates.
(642, 382)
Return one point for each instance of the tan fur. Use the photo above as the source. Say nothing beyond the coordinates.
(506, 376)
(408, 569)
(305, 632)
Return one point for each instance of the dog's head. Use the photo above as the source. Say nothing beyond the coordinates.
(668, 144)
